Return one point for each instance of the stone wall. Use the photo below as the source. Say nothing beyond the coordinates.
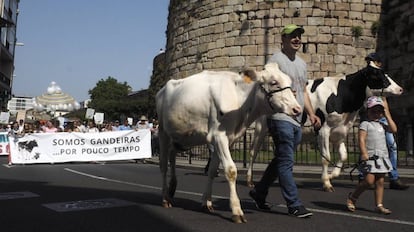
(234, 34)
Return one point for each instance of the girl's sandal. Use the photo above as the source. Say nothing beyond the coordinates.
(350, 202)
(382, 210)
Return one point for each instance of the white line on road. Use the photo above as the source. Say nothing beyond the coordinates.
(136, 184)
(363, 217)
(222, 197)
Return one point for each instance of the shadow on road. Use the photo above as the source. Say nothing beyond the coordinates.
(29, 214)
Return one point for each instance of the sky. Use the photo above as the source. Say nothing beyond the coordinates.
(77, 43)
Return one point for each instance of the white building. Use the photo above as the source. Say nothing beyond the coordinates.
(19, 104)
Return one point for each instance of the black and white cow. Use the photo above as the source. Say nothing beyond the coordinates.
(26, 147)
(336, 100)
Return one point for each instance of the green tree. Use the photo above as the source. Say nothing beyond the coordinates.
(111, 98)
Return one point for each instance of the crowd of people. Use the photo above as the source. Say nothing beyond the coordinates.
(20, 128)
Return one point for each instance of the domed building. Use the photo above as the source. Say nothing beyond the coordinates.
(55, 101)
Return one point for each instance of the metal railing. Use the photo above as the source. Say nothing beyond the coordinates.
(307, 153)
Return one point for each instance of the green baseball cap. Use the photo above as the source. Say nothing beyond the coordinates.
(291, 28)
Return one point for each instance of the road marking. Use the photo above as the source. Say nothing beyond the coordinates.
(372, 218)
(349, 214)
(136, 184)
(17, 195)
(70, 206)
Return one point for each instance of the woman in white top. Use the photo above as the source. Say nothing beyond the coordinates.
(92, 127)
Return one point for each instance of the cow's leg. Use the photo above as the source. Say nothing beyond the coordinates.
(166, 201)
(230, 171)
(173, 176)
(212, 172)
(259, 134)
(342, 159)
(326, 157)
(340, 136)
(249, 175)
(163, 162)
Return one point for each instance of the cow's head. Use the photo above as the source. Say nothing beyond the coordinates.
(380, 83)
(277, 87)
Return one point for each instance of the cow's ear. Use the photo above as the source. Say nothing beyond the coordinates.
(272, 67)
(270, 70)
(249, 76)
(247, 79)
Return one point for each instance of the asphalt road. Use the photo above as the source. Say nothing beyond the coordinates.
(125, 196)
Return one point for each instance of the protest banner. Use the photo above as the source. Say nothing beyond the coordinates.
(21, 115)
(4, 117)
(4, 143)
(99, 118)
(83, 147)
(89, 113)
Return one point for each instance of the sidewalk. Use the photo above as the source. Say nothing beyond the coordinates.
(299, 171)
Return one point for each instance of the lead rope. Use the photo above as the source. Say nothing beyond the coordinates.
(323, 156)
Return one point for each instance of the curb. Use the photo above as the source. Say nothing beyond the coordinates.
(298, 171)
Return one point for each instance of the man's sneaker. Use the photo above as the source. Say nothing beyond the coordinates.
(259, 201)
(300, 212)
(398, 185)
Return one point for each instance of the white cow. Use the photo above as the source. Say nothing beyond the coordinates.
(336, 100)
(216, 107)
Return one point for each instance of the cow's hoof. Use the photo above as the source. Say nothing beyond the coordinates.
(207, 208)
(166, 204)
(239, 219)
(328, 189)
